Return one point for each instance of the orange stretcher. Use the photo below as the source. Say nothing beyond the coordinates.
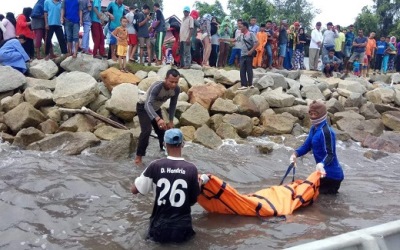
(219, 197)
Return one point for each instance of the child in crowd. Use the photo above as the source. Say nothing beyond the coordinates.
(357, 67)
(365, 66)
(121, 34)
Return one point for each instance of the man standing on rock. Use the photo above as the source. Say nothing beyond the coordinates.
(149, 111)
(115, 11)
(185, 34)
(315, 46)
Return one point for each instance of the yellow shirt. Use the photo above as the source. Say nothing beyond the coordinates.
(122, 34)
(339, 41)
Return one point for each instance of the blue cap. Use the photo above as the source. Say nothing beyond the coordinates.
(186, 8)
(173, 136)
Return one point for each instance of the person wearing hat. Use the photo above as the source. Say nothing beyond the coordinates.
(185, 35)
(315, 46)
(176, 186)
(330, 35)
(322, 141)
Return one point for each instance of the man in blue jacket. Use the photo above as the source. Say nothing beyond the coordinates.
(322, 141)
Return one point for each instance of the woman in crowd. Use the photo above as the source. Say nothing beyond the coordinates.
(9, 23)
(205, 27)
(298, 62)
(214, 42)
(38, 26)
(392, 55)
(398, 57)
(225, 31)
(275, 46)
(24, 28)
(13, 54)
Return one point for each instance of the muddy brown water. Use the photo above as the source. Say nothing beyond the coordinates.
(49, 201)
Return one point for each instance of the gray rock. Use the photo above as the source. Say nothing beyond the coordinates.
(162, 72)
(75, 90)
(369, 112)
(183, 97)
(265, 82)
(243, 124)
(246, 106)
(393, 136)
(397, 97)
(354, 100)
(341, 135)
(40, 83)
(347, 114)
(277, 99)
(227, 131)
(312, 92)
(207, 137)
(360, 129)
(380, 78)
(51, 113)
(122, 103)
(96, 104)
(306, 80)
(79, 123)
(183, 85)
(375, 155)
(260, 102)
(380, 144)
(68, 143)
(294, 74)
(145, 84)
(195, 116)
(228, 78)
(48, 127)
(278, 123)
(188, 132)
(279, 80)
(181, 107)
(224, 106)
(299, 111)
(210, 71)
(352, 86)
(10, 102)
(42, 69)
(395, 78)
(344, 92)
(23, 116)
(193, 77)
(120, 147)
(109, 133)
(391, 119)
(374, 96)
(265, 148)
(7, 137)
(103, 90)
(141, 74)
(85, 63)
(294, 89)
(27, 136)
(215, 121)
(382, 108)
(39, 97)
(10, 79)
(387, 94)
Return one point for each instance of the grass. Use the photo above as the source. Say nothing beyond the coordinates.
(135, 67)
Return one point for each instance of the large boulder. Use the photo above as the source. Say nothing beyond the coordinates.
(354, 100)
(10, 102)
(193, 77)
(277, 99)
(85, 63)
(99, 102)
(352, 86)
(391, 119)
(181, 107)
(162, 72)
(188, 132)
(359, 129)
(39, 97)
(379, 143)
(246, 106)
(23, 116)
(68, 143)
(122, 103)
(27, 136)
(294, 88)
(40, 83)
(374, 96)
(395, 78)
(75, 90)
(333, 106)
(206, 94)
(42, 69)
(79, 123)
(215, 121)
(347, 114)
(369, 112)
(306, 80)
(265, 82)
(229, 78)
(278, 123)
(243, 124)
(48, 127)
(120, 147)
(299, 111)
(207, 137)
(227, 131)
(10, 79)
(145, 84)
(113, 77)
(109, 133)
(312, 92)
(223, 106)
(279, 80)
(195, 116)
(260, 103)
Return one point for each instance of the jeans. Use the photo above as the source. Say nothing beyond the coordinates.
(86, 34)
(145, 127)
(269, 53)
(246, 71)
(98, 39)
(378, 61)
(385, 62)
(287, 63)
(339, 54)
(60, 37)
(235, 53)
(72, 31)
(185, 54)
(214, 55)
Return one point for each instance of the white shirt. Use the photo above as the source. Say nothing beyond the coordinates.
(130, 27)
(316, 36)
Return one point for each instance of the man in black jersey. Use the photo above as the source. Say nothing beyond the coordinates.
(176, 186)
(149, 111)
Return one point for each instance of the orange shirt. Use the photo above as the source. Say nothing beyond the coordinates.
(262, 38)
(371, 45)
(122, 34)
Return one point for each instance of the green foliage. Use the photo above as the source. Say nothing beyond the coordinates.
(140, 3)
(387, 12)
(367, 21)
(213, 9)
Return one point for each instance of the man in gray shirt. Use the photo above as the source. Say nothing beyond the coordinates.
(329, 39)
(148, 110)
(143, 19)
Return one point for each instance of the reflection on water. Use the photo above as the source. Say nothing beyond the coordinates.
(57, 202)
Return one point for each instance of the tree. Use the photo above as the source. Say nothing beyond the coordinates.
(368, 22)
(294, 10)
(213, 9)
(388, 13)
(140, 3)
(245, 9)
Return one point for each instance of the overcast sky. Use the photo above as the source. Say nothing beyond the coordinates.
(341, 12)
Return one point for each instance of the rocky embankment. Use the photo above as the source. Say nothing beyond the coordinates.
(210, 108)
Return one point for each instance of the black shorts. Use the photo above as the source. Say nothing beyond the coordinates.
(175, 235)
(329, 186)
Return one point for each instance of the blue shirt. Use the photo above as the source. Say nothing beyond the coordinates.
(349, 38)
(255, 29)
(38, 11)
(380, 47)
(117, 11)
(356, 66)
(322, 141)
(96, 4)
(84, 6)
(360, 40)
(54, 12)
(71, 10)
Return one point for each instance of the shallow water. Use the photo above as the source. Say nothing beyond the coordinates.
(51, 201)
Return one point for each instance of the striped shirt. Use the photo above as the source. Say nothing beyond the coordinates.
(155, 96)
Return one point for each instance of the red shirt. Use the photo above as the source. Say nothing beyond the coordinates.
(23, 27)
